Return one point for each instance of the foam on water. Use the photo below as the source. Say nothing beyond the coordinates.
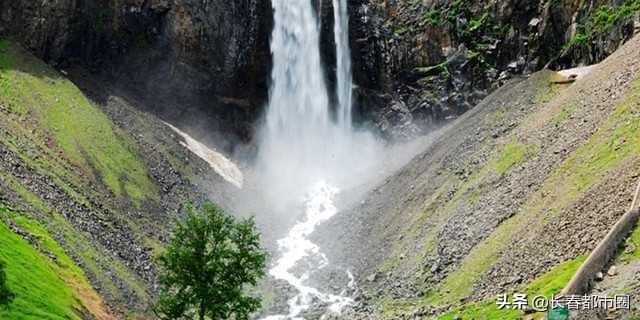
(308, 149)
(296, 247)
(303, 139)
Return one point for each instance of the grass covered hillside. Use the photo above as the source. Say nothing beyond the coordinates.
(34, 95)
(85, 201)
(44, 280)
(63, 161)
(509, 198)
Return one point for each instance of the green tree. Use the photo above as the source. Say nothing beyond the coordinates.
(210, 260)
(5, 295)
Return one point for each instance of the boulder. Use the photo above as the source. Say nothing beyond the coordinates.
(613, 271)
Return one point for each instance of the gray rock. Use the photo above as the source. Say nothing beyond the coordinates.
(599, 276)
(630, 248)
(534, 22)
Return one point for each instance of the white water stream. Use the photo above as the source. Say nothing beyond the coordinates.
(307, 152)
(296, 247)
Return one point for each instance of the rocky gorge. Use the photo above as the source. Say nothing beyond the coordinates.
(507, 144)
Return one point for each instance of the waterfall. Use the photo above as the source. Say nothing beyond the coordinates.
(297, 133)
(306, 154)
(301, 142)
(344, 87)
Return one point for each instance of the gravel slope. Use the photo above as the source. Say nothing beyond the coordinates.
(531, 178)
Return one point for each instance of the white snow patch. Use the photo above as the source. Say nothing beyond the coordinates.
(577, 73)
(217, 161)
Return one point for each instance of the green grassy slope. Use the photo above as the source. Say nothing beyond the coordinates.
(546, 285)
(592, 161)
(582, 143)
(45, 282)
(79, 177)
(72, 126)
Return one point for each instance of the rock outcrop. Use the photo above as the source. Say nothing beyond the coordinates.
(183, 56)
(436, 59)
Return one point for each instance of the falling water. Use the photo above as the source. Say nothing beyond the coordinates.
(344, 85)
(300, 142)
(306, 154)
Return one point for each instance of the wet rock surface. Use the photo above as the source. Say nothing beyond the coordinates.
(440, 58)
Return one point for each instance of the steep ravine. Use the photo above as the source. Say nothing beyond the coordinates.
(91, 183)
(510, 197)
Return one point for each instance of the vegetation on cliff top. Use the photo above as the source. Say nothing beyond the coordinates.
(602, 20)
(476, 28)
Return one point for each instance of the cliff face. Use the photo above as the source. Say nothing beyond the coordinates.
(186, 55)
(91, 31)
(416, 63)
(436, 59)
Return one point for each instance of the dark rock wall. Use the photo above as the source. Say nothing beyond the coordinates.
(416, 63)
(227, 40)
(209, 57)
(43, 29)
(85, 30)
(435, 59)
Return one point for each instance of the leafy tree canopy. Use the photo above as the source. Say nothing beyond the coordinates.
(212, 257)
